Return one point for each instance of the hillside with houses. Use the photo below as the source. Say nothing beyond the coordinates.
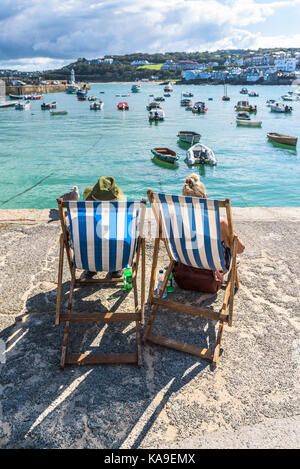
(263, 66)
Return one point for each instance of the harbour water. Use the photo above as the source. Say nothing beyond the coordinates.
(43, 156)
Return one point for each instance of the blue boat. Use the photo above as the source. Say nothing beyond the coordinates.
(166, 156)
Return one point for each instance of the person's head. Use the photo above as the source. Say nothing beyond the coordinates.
(105, 189)
(193, 187)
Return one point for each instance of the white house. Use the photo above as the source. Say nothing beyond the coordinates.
(139, 62)
(285, 65)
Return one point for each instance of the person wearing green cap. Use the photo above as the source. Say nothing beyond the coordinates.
(105, 189)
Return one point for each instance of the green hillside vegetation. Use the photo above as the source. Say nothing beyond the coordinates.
(122, 70)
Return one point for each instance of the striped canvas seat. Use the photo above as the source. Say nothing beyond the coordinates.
(191, 229)
(104, 234)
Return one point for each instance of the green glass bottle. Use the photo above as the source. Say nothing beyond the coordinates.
(127, 278)
(170, 288)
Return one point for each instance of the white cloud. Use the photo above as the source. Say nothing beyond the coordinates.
(57, 31)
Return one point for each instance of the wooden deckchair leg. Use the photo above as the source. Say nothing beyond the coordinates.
(153, 270)
(155, 308)
(143, 281)
(138, 345)
(65, 345)
(233, 281)
(59, 282)
(218, 345)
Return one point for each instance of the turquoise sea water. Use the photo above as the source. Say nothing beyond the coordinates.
(78, 148)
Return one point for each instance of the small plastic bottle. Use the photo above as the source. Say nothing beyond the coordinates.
(160, 279)
(127, 278)
(169, 288)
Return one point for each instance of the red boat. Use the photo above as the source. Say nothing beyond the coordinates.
(81, 98)
(123, 106)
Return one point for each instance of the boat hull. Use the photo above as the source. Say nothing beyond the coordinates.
(245, 123)
(283, 139)
(189, 137)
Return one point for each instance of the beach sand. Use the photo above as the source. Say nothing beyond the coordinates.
(176, 400)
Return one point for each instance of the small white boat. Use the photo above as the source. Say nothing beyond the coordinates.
(136, 88)
(23, 106)
(92, 98)
(290, 96)
(200, 154)
(245, 120)
(281, 107)
(168, 88)
(97, 106)
(153, 105)
(58, 113)
(270, 101)
(253, 94)
(156, 115)
(199, 108)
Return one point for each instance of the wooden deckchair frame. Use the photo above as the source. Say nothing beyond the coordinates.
(224, 316)
(69, 317)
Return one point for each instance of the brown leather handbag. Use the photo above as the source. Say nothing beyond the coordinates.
(191, 278)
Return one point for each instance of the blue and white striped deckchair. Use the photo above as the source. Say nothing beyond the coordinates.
(101, 237)
(190, 230)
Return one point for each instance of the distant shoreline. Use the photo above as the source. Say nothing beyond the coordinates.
(126, 82)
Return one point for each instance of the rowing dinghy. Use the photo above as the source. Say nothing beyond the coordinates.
(188, 136)
(166, 156)
(283, 139)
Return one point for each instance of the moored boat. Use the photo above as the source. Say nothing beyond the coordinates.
(48, 105)
(244, 91)
(153, 105)
(290, 96)
(16, 96)
(7, 104)
(71, 89)
(199, 107)
(245, 106)
(23, 106)
(270, 101)
(187, 94)
(123, 106)
(159, 98)
(165, 155)
(282, 139)
(136, 88)
(92, 98)
(243, 119)
(36, 96)
(97, 106)
(168, 88)
(200, 154)
(185, 102)
(225, 97)
(156, 115)
(58, 113)
(280, 107)
(189, 136)
(253, 94)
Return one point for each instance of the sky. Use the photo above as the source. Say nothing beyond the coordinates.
(42, 35)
